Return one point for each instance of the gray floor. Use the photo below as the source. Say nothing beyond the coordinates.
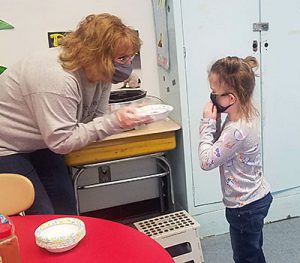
(281, 244)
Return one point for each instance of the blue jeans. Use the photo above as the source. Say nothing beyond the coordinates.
(246, 224)
(54, 192)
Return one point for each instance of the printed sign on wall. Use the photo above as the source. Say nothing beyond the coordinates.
(53, 38)
(162, 41)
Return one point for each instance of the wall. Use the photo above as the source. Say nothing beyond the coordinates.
(32, 20)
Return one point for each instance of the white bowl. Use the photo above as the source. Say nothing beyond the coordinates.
(59, 235)
(156, 111)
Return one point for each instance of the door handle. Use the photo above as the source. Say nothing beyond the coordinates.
(254, 45)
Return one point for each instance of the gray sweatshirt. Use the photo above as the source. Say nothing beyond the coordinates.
(237, 153)
(43, 106)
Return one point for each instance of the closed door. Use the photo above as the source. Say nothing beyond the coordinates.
(281, 93)
(212, 29)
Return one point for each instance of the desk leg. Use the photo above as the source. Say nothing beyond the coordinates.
(75, 184)
(161, 194)
(171, 198)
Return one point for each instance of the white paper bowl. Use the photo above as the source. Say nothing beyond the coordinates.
(156, 111)
(59, 235)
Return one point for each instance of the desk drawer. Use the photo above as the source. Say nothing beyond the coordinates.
(122, 148)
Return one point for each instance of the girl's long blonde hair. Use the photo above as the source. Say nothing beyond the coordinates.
(238, 75)
(96, 41)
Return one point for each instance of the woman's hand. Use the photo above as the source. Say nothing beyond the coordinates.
(210, 111)
(129, 118)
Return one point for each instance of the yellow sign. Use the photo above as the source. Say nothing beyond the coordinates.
(53, 38)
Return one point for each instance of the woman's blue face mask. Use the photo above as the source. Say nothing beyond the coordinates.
(122, 72)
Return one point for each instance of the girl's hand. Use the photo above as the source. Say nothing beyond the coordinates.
(210, 111)
(129, 118)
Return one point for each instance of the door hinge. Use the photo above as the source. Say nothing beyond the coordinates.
(184, 52)
(258, 27)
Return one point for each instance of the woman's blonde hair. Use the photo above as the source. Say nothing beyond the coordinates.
(238, 75)
(96, 41)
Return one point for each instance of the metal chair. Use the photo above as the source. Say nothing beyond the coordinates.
(16, 194)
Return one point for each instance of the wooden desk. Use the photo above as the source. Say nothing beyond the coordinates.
(105, 242)
(151, 138)
(148, 141)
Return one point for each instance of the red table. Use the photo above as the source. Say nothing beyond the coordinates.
(105, 242)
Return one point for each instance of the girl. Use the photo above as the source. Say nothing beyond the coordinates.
(235, 149)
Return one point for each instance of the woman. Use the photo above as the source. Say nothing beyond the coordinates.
(55, 102)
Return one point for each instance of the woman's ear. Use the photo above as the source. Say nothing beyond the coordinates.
(232, 98)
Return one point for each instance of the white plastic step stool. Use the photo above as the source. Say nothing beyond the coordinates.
(175, 232)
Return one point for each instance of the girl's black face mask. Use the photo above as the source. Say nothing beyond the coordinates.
(219, 107)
